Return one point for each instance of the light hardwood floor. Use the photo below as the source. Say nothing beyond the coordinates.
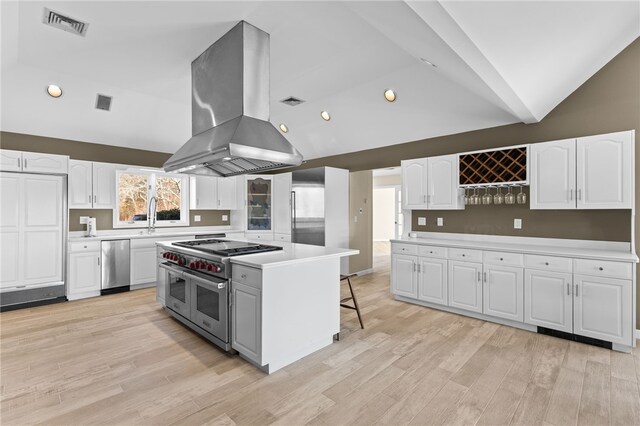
(121, 360)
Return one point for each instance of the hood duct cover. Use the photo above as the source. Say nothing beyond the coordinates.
(231, 131)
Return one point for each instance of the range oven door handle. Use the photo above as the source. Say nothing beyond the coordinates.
(175, 271)
(209, 283)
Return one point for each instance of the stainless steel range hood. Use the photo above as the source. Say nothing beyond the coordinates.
(231, 131)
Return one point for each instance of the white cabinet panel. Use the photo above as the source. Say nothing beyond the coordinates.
(503, 292)
(143, 265)
(414, 184)
(548, 299)
(204, 192)
(602, 309)
(10, 261)
(553, 175)
(282, 203)
(432, 280)
(10, 161)
(227, 193)
(404, 276)
(80, 184)
(104, 186)
(43, 256)
(35, 162)
(10, 207)
(443, 176)
(465, 285)
(84, 273)
(605, 171)
(42, 201)
(246, 332)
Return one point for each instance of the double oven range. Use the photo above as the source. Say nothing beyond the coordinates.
(197, 276)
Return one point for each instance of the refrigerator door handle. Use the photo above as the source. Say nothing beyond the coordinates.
(293, 209)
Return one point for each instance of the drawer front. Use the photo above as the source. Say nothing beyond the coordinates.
(84, 246)
(465, 254)
(265, 236)
(246, 275)
(283, 237)
(602, 268)
(432, 251)
(549, 263)
(502, 258)
(404, 249)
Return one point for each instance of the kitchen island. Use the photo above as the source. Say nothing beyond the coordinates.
(283, 305)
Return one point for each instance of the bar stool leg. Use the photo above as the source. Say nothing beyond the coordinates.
(355, 302)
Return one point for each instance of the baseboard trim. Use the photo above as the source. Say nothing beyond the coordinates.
(364, 272)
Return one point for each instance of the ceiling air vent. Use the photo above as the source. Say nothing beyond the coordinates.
(291, 101)
(65, 23)
(103, 102)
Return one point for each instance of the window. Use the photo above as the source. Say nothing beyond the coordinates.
(137, 189)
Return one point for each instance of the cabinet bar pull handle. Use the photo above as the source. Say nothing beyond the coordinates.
(576, 290)
(98, 260)
(478, 275)
(95, 198)
(571, 194)
(18, 162)
(424, 198)
(579, 194)
(568, 289)
(485, 276)
(418, 268)
(25, 163)
(414, 268)
(89, 198)
(601, 269)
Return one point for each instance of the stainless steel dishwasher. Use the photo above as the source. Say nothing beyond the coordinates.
(115, 261)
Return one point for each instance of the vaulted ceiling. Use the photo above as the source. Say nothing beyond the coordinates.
(497, 62)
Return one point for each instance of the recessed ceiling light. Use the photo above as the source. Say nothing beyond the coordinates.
(428, 62)
(283, 128)
(54, 91)
(325, 116)
(390, 95)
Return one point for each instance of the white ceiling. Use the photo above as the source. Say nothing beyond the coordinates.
(497, 63)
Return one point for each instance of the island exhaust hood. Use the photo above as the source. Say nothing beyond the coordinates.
(231, 131)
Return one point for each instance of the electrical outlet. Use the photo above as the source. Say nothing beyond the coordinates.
(225, 218)
(422, 221)
(196, 218)
(517, 223)
(440, 221)
(84, 220)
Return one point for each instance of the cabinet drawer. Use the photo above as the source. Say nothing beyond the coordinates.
(266, 236)
(602, 268)
(549, 263)
(432, 251)
(283, 237)
(465, 254)
(404, 249)
(502, 258)
(84, 246)
(246, 275)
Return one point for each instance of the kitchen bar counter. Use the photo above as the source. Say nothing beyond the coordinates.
(290, 253)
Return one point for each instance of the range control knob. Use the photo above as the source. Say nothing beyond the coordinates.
(181, 261)
(210, 268)
(192, 265)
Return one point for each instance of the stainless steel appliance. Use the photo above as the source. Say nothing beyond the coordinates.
(114, 261)
(307, 206)
(230, 124)
(198, 276)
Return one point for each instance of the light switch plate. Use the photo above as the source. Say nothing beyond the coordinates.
(84, 220)
(225, 217)
(422, 221)
(196, 218)
(440, 221)
(517, 223)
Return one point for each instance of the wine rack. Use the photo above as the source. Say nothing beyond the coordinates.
(504, 166)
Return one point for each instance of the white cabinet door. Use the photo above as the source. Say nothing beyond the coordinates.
(465, 285)
(204, 192)
(227, 193)
(414, 184)
(432, 280)
(10, 161)
(605, 171)
(143, 265)
(503, 290)
(552, 167)
(80, 184)
(602, 309)
(548, 299)
(10, 241)
(282, 203)
(404, 280)
(443, 176)
(104, 185)
(35, 162)
(246, 330)
(84, 273)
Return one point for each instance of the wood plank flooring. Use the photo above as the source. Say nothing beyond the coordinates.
(121, 360)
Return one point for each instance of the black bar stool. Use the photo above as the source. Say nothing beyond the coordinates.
(352, 297)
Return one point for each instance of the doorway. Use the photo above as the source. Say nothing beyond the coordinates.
(387, 213)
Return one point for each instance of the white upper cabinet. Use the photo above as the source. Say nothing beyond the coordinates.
(414, 184)
(33, 162)
(605, 170)
(227, 193)
(204, 192)
(443, 175)
(282, 203)
(553, 183)
(91, 185)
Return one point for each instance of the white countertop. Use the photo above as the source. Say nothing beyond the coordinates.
(131, 234)
(546, 250)
(290, 253)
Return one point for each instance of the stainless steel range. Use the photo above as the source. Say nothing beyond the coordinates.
(197, 278)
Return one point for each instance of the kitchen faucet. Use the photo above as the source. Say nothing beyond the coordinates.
(151, 214)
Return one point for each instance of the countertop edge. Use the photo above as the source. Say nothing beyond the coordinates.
(247, 262)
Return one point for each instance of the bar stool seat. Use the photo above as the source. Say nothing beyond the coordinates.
(355, 306)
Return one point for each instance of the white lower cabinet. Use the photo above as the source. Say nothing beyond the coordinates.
(465, 285)
(404, 277)
(548, 299)
(432, 280)
(84, 274)
(246, 333)
(503, 292)
(143, 265)
(601, 308)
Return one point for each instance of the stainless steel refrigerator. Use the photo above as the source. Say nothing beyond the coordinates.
(307, 206)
